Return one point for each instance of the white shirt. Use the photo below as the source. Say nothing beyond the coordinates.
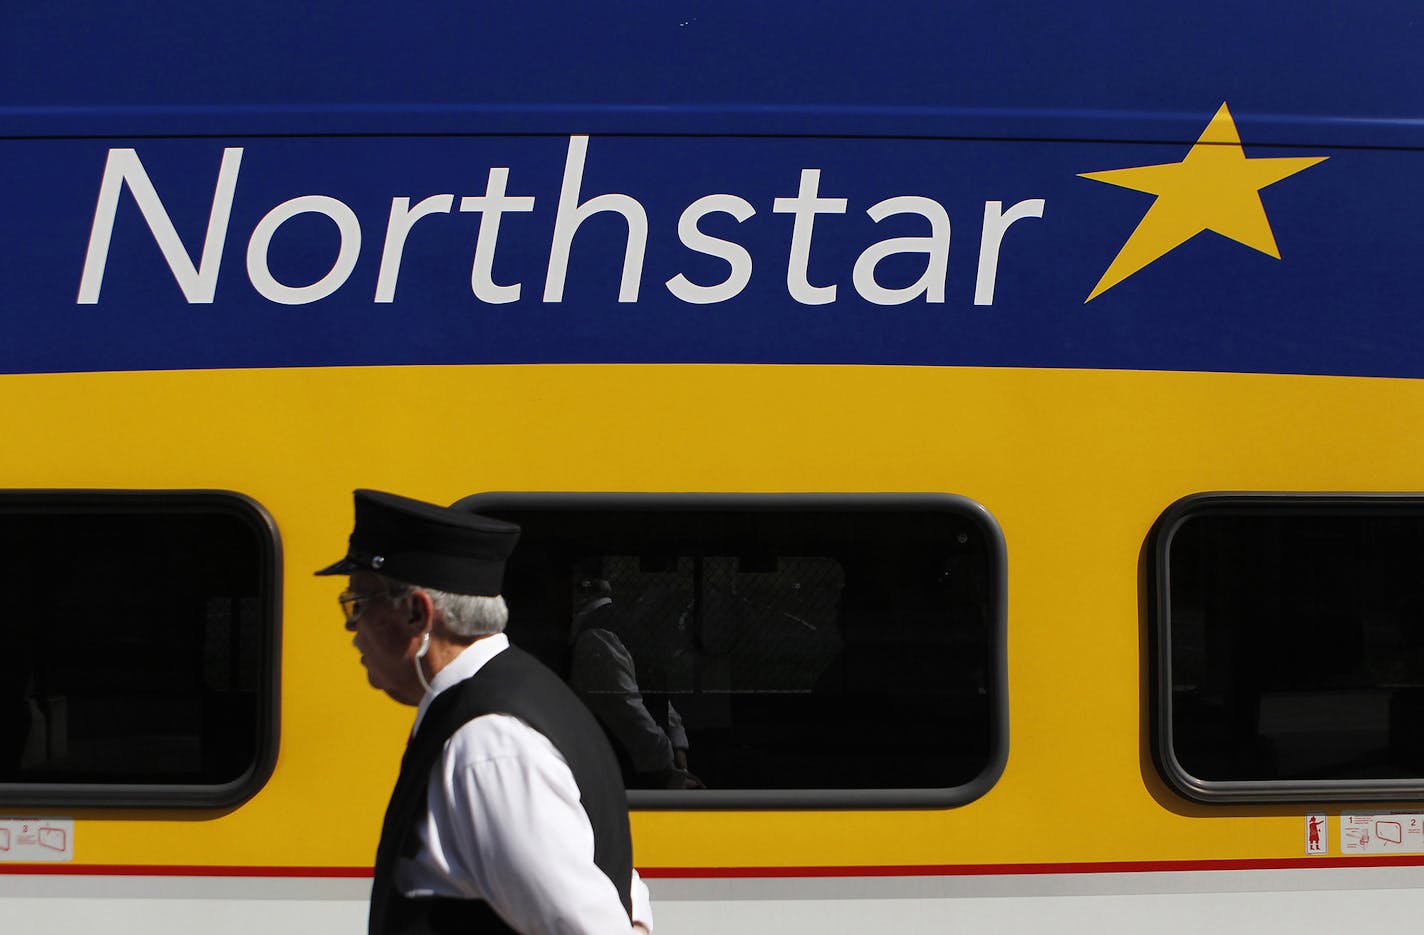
(504, 824)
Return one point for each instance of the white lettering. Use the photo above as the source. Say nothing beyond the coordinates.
(493, 203)
(346, 224)
(735, 254)
(571, 214)
(196, 270)
(995, 224)
(935, 247)
(805, 206)
(402, 219)
(199, 282)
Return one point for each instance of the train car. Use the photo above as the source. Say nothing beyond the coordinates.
(996, 427)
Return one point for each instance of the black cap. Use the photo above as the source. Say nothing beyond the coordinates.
(424, 544)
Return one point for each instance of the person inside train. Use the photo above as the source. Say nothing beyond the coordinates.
(646, 730)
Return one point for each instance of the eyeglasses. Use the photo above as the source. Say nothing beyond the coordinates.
(353, 603)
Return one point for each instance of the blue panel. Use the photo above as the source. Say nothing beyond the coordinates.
(928, 67)
(962, 104)
(1343, 299)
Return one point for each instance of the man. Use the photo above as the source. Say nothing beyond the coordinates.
(509, 814)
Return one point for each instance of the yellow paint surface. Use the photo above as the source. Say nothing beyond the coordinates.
(1074, 465)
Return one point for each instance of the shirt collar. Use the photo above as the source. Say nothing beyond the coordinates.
(471, 659)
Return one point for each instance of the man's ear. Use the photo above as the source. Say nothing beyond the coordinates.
(422, 610)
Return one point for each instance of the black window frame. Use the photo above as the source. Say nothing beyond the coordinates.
(1157, 589)
(186, 796)
(506, 502)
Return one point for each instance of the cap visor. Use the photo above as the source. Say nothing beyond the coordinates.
(343, 567)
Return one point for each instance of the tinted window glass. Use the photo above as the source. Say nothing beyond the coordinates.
(793, 650)
(1291, 647)
(149, 677)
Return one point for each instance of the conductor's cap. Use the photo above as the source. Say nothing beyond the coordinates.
(424, 544)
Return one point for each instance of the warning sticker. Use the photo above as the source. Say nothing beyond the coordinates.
(36, 839)
(1388, 833)
(1317, 834)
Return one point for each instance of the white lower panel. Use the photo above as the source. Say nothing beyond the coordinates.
(82, 905)
(159, 916)
(1330, 912)
(1383, 900)
(1236, 902)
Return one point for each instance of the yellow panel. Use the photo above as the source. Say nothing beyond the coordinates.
(1074, 465)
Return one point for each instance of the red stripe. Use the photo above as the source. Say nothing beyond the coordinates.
(965, 870)
(166, 870)
(722, 873)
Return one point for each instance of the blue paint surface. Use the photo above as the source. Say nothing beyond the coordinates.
(1006, 103)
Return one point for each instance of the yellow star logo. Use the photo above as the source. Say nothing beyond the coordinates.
(1215, 188)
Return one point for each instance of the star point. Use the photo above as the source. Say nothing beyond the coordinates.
(1216, 187)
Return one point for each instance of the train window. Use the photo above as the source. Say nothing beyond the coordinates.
(772, 651)
(142, 670)
(1289, 647)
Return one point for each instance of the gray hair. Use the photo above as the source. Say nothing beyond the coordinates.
(466, 615)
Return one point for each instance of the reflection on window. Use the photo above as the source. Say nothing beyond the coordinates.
(148, 679)
(730, 645)
(1295, 632)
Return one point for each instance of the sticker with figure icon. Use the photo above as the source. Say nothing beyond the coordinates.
(1317, 834)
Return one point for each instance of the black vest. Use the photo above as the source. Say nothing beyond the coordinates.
(513, 682)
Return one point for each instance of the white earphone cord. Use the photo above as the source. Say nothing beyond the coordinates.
(419, 655)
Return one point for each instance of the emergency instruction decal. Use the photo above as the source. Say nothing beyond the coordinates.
(1385, 833)
(36, 839)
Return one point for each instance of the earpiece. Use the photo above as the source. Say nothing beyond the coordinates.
(419, 655)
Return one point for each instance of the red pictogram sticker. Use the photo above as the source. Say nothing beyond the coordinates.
(1317, 834)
